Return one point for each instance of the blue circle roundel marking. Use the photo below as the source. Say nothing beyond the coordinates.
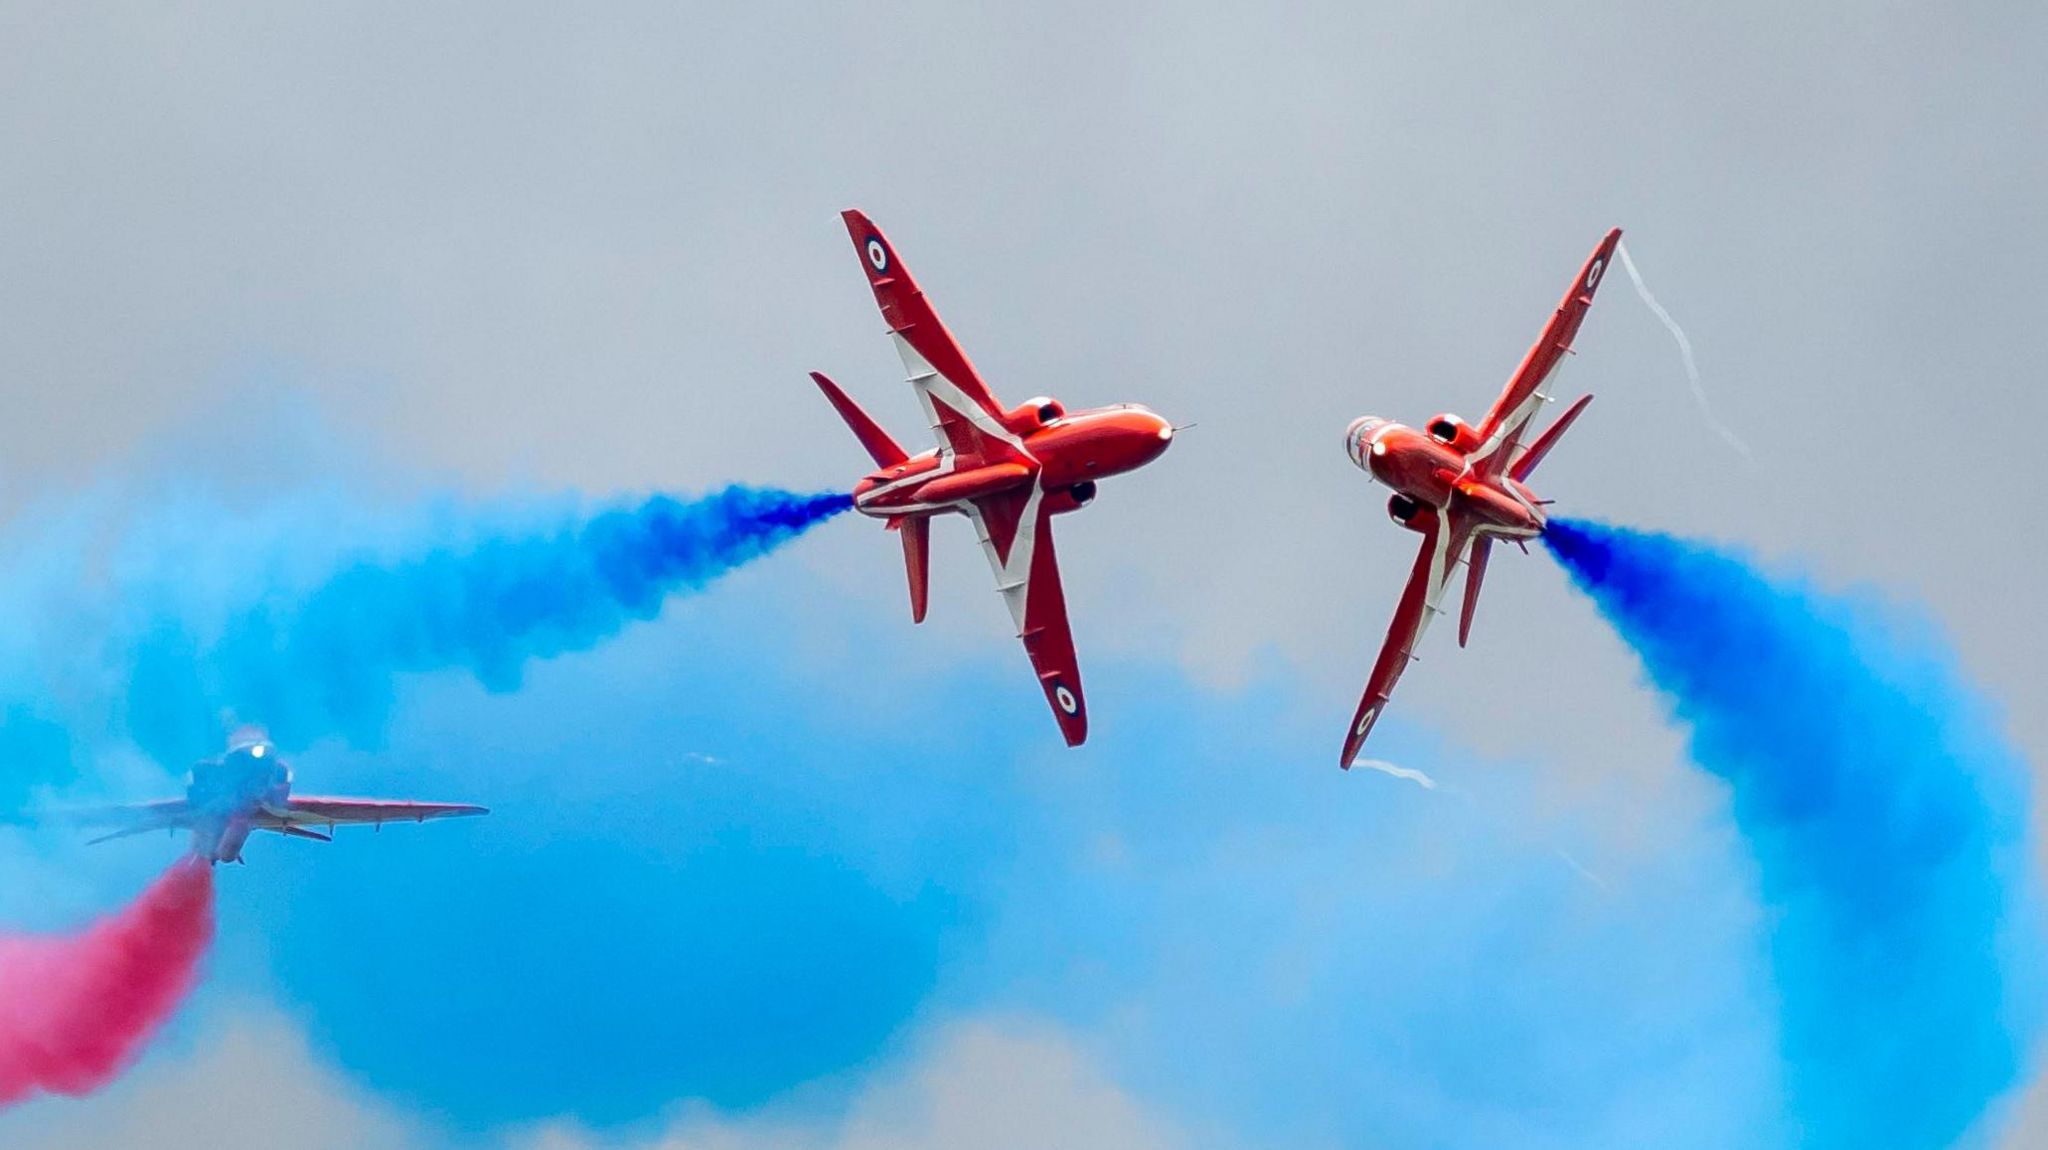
(1065, 698)
(878, 255)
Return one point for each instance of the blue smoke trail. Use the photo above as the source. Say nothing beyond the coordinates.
(296, 625)
(1888, 818)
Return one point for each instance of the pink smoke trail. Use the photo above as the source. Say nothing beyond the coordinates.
(76, 1009)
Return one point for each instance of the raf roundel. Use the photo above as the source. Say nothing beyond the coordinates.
(1066, 700)
(1594, 273)
(878, 256)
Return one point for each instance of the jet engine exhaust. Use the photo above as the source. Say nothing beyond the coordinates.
(1887, 815)
(76, 1009)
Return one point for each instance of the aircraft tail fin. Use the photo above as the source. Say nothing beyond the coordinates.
(1475, 573)
(885, 450)
(917, 556)
(1537, 450)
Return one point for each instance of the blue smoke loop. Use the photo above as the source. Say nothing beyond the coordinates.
(1888, 818)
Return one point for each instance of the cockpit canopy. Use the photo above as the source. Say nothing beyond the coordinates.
(246, 736)
(1358, 438)
(249, 767)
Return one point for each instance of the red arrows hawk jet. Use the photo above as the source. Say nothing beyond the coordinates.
(1009, 470)
(1461, 487)
(248, 788)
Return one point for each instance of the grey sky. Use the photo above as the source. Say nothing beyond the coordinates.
(523, 244)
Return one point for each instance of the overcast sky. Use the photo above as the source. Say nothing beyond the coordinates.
(529, 246)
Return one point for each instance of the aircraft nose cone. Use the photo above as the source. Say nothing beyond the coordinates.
(1162, 438)
(1150, 435)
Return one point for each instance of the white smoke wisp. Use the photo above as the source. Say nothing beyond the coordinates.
(1423, 780)
(1692, 369)
(1411, 774)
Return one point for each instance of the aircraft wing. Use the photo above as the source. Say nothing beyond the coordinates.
(146, 816)
(1016, 534)
(963, 412)
(121, 820)
(316, 811)
(1444, 549)
(1507, 423)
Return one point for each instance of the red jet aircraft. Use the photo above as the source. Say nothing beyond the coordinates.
(1009, 470)
(248, 788)
(1460, 487)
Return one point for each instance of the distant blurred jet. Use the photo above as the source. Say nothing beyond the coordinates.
(1460, 487)
(248, 788)
(1009, 470)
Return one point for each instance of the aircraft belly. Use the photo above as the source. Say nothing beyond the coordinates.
(1497, 508)
(975, 483)
(1416, 467)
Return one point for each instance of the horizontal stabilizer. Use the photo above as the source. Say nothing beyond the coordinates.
(303, 833)
(1537, 450)
(885, 451)
(126, 832)
(1475, 573)
(917, 554)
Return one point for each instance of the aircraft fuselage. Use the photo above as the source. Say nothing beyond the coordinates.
(1427, 472)
(1059, 451)
(228, 792)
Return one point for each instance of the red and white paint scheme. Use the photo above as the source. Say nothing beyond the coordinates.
(248, 788)
(1008, 470)
(1460, 487)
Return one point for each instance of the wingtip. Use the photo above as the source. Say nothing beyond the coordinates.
(1074, 730)
(858, 225)
(1361, 730)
